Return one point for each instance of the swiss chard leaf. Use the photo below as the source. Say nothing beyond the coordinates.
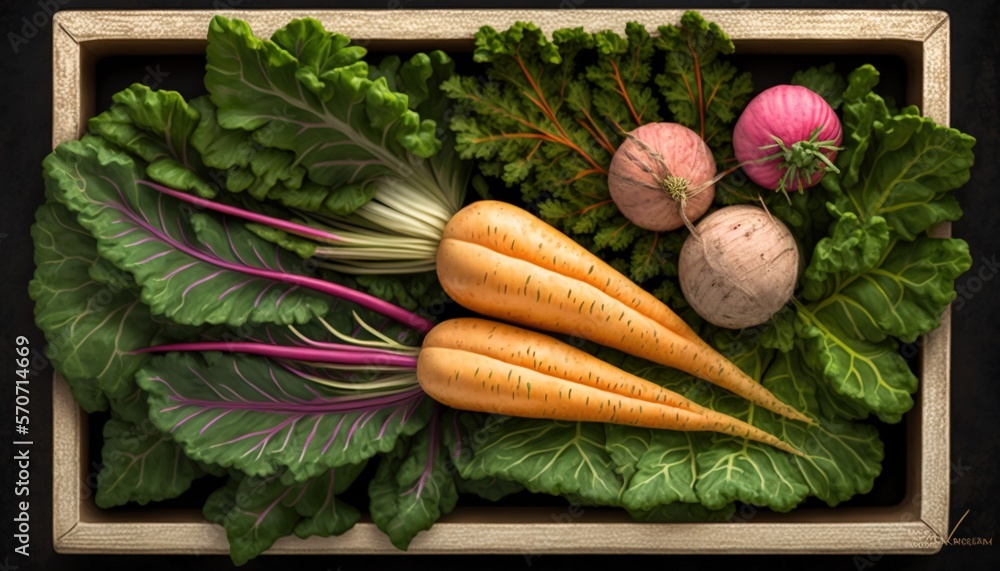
(710, 471)
(901, 296)
(872, 374)
(185, 148)
(841, 458)
(260, 417)
(306, 90)
(192, 267)
(257, 511)
(92, 326)
(413, 486)
(876, 278)
(142, 465)
(662, 462)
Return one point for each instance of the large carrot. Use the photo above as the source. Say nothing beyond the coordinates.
(499, 260)
(474, 364)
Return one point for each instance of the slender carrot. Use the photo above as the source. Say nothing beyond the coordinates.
(499, 260)
(479, 365)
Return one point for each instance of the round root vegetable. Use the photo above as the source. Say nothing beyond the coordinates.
(661, 174)
(739, 267)
(786, 138)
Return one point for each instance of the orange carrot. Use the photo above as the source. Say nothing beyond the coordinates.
(474, 364)
(498, 260)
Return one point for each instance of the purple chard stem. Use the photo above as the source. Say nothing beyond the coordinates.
(290, 227)
(348, 356)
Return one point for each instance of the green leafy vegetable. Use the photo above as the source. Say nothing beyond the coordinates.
(551, 457)
(92, 325)
(413, 487)
(140, 465)
(899, 167)
(702, 90)
(823, 80)
(260, 416)
(257, 511)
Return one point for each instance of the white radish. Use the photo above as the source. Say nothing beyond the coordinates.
(739, 267)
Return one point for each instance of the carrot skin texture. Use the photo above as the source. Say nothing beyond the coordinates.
(514, 232)
(534, 383)
(482, 266)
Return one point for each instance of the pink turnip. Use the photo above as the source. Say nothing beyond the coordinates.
(661, 177)
(739, 267)
(786, 138)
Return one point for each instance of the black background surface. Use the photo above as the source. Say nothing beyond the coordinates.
(25, 131)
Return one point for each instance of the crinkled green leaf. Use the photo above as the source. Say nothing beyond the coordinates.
(413, 486)
(187, 149)
(550, 457)
(824, 81)
(873, 374)
(903, 296)
(779, 332)
(663, 462)
(260, 417)
(664, 467)
(188, 264)
(257, 511)
(306, 90)
(158, 126)
(853, 248)
(91, 326)
(842, 458)
(900, 167)
(142, 465)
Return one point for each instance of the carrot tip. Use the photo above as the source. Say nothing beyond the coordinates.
(794, 451)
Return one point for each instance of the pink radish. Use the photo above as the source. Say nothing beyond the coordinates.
(661, 177)
(786, 138)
